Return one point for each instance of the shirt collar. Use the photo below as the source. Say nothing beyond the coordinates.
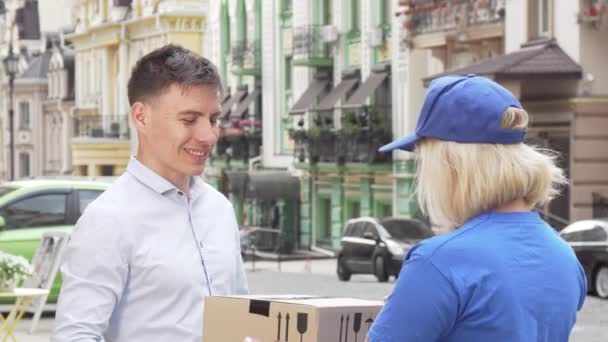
(155, 181)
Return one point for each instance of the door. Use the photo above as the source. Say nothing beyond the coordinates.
(368, 248)
(353, 242)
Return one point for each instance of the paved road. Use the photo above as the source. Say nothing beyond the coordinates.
(317, 277)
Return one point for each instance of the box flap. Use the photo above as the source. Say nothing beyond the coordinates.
(310, 300)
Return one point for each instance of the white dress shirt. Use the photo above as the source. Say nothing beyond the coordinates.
(142, 258)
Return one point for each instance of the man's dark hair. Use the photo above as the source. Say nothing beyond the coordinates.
(168, 65)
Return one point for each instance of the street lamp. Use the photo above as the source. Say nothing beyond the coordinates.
(11, 66)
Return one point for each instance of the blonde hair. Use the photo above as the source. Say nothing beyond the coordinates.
(457, 181)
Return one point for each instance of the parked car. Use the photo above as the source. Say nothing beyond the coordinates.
(589, 239)
(30, 208)
(369, 245)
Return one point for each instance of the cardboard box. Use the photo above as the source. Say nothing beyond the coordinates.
(287, 318)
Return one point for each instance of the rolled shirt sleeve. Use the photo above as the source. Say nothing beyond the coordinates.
(422, 306)
(94, 270)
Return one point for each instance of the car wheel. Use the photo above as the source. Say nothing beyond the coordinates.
(380, 269)
(343, 272)
(601, 282)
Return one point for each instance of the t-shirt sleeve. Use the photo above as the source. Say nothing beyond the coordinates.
(422, 307)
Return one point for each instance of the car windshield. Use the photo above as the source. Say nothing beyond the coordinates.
(6, 190)
(588, 230)
(406, 229)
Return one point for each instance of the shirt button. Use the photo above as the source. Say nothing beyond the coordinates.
(180, 193)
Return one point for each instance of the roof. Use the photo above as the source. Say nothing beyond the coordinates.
(539, 60)
(69, 65)
(28, 21)
(38, 67)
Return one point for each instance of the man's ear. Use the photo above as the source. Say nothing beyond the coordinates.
(139, 115)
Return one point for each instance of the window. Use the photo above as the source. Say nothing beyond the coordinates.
(24, 115)
(287, 6)
(585, 231)
(107, 170)
(543, 18)
(327, 11)
(288, 73)
(370, 229)
(225, 30)
(85, 197)
(24, 165)
(241, 18)
(356, 229)
(400, 229)
(37, 211)
(386, 13)
(354, 16)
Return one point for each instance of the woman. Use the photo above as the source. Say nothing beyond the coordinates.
(501, 273)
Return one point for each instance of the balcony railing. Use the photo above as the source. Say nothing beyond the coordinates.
(329, 146)
(252, 56)
(96, 126)
(447, 15)
(309, 48)
(239, 147)
(238, 53)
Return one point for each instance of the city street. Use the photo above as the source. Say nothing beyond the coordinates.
(317, 277)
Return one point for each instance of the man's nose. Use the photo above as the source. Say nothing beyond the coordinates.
(206, 133)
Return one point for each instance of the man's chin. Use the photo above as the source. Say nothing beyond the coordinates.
(197, 170)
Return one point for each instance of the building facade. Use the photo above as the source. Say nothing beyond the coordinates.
(109, 37)
(324, 90)
(58, 109)
(246, 164)
(550, 54)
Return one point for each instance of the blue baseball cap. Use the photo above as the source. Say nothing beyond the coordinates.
(465, 109)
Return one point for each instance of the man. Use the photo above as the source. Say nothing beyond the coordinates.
(149, 249)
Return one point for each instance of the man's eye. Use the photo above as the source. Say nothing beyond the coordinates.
(188, 121)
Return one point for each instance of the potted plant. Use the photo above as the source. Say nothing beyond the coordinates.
(13, 270)
(299, 138)
(313, 143)
(345, 150)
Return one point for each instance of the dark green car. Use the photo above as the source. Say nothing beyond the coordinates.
(30, 208)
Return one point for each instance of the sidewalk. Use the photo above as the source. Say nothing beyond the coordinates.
(299, 254)
(43, 331)
(316, 266)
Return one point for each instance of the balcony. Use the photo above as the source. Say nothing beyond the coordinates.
(310, 46)
(341, 147)
(100, 127)
(467, 20)
(246, 58)
(239, 147)
(238, 53)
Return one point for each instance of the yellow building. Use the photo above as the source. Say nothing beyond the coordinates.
(109, 37)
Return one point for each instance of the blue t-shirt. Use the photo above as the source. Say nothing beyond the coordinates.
(500, 277)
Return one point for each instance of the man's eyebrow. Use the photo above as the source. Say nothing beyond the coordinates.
(190, 112)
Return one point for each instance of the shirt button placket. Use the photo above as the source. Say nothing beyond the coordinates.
(199, 244)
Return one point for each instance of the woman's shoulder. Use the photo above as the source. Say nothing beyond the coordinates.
(453, 244)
